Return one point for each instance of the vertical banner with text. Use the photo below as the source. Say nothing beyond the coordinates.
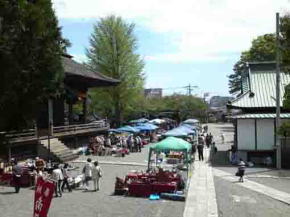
(42, 198)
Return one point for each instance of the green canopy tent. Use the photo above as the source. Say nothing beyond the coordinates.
(171, 144)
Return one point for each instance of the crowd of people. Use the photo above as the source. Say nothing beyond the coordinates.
(58, 173)
(204, 138)
(123, 143)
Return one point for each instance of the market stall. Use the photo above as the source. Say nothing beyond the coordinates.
(171, 144)
(27, 177)
(144, 184)
(157, 180)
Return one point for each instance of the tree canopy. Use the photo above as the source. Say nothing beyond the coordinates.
(263, 48)
(31, 46)
(181, 107)
(112, 52)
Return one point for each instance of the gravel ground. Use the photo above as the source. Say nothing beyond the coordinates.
(234, 200)
(94, 204)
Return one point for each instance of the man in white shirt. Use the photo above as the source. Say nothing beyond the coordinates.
(57, 176)
(96, 175)
(87, 171)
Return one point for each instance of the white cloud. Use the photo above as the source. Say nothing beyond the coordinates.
(203, 29)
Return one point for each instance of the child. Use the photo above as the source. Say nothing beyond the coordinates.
(241, 170)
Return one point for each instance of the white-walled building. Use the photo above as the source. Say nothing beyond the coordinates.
(255, 127)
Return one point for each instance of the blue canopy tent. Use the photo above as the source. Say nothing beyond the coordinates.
(192, 127)
(114, 131)
(146, 127)
(191, 121)
(128, 129)
(176, 133)
(186, 130)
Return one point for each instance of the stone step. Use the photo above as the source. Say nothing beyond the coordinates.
(69, 158)
(59, 150)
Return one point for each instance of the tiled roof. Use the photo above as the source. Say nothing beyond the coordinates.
(262, 88)
(73, 68)
(261, 116)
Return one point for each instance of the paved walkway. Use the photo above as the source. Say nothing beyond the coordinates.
(201, 197)
(254, 186)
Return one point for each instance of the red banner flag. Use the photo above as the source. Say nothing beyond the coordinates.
(42, 198)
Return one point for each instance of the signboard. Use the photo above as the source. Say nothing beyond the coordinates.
(42, 198)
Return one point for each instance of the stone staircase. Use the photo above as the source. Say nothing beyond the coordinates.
(59, 151)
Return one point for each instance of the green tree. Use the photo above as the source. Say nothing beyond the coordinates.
(112, 51)
(263, 48)
(187, 106)
(183, 105)
(285, 41)
(31, 46)
(285, 45)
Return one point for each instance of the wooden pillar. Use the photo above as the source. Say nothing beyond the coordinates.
(9, 153)
(70, 111)
(85, 110)
(66, 113)
(256, 138)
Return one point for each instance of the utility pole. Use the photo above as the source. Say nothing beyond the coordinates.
(278, 59)
(50, 126)
(190, 89)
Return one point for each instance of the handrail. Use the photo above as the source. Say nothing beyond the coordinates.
(17, 134)
(58, 129)
(66, 128)
(76, 125)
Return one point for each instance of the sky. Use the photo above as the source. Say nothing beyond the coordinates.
(182, 42)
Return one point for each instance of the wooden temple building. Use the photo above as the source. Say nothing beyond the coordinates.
(57, 130)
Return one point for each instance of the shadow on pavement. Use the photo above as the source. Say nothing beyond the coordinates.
(7, 193)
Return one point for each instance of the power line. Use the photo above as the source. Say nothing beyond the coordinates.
(188, 87)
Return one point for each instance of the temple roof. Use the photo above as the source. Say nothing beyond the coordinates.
(260, 87)
(78, 75)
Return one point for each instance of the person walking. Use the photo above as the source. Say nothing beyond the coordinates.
(200, 151)
(16, 176)
(241, 170)
(207, 140)
(87, 171)
(65, 178)
(210, 138)
(200, 147)
(233, 154)
(223, 138)
(57, 176)
(96, 175)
